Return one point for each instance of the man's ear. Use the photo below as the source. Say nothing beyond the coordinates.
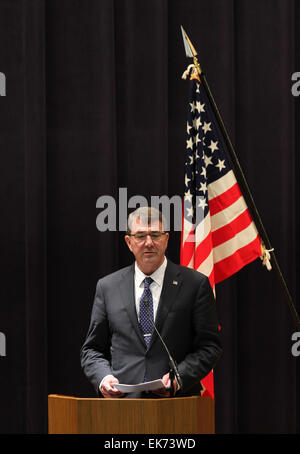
(167, 239)
(127, 239)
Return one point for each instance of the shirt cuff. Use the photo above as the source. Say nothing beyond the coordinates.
(103, 380)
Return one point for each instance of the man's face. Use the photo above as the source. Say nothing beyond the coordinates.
(149, 252)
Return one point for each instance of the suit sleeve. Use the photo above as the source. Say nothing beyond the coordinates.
(206, 338)
(95, 352)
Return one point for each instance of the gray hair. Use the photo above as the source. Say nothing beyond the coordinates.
(147, 216)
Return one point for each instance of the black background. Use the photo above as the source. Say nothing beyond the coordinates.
(95, 102)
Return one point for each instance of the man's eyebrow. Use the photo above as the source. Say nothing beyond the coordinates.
(147, 231)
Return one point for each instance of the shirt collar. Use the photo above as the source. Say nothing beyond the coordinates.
(157, 276)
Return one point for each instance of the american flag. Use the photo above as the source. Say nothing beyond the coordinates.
(219, 236)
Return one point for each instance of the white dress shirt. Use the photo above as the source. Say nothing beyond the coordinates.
(155, 286)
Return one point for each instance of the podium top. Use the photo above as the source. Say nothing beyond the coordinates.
(61, 396)
(180, 415)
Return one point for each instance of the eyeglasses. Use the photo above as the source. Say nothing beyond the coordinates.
(141, 236)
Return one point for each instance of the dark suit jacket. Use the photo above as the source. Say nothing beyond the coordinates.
(186, 319)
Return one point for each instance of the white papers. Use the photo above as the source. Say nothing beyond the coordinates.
(146, 386)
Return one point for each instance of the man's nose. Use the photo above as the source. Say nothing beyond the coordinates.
(149, 241)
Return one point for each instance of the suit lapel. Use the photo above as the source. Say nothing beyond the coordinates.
(171, 286)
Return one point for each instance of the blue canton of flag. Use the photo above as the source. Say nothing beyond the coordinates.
(205, 158)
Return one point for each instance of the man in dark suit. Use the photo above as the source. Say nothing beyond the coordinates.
(121, 345)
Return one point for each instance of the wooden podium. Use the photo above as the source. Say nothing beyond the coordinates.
(181, 415)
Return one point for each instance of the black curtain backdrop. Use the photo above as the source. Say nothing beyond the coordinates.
(95, 102)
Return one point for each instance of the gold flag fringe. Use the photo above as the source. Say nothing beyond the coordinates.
(266, 256)
(188, 70)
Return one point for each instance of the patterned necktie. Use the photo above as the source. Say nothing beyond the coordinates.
(146, 311)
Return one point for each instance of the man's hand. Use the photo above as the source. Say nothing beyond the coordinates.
(167, 382)
(108, 389)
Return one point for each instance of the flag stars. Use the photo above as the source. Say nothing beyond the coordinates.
(221, 164)
(206, 127)
(200, 107)
(213, 146)
(203, 187)
(202, 203)
(197, 140)
(193, 107)
(189, 143)
(197, 123)
(190, 212)
(187, 180)
(207, 160)
(188, 127)
(188, 196)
